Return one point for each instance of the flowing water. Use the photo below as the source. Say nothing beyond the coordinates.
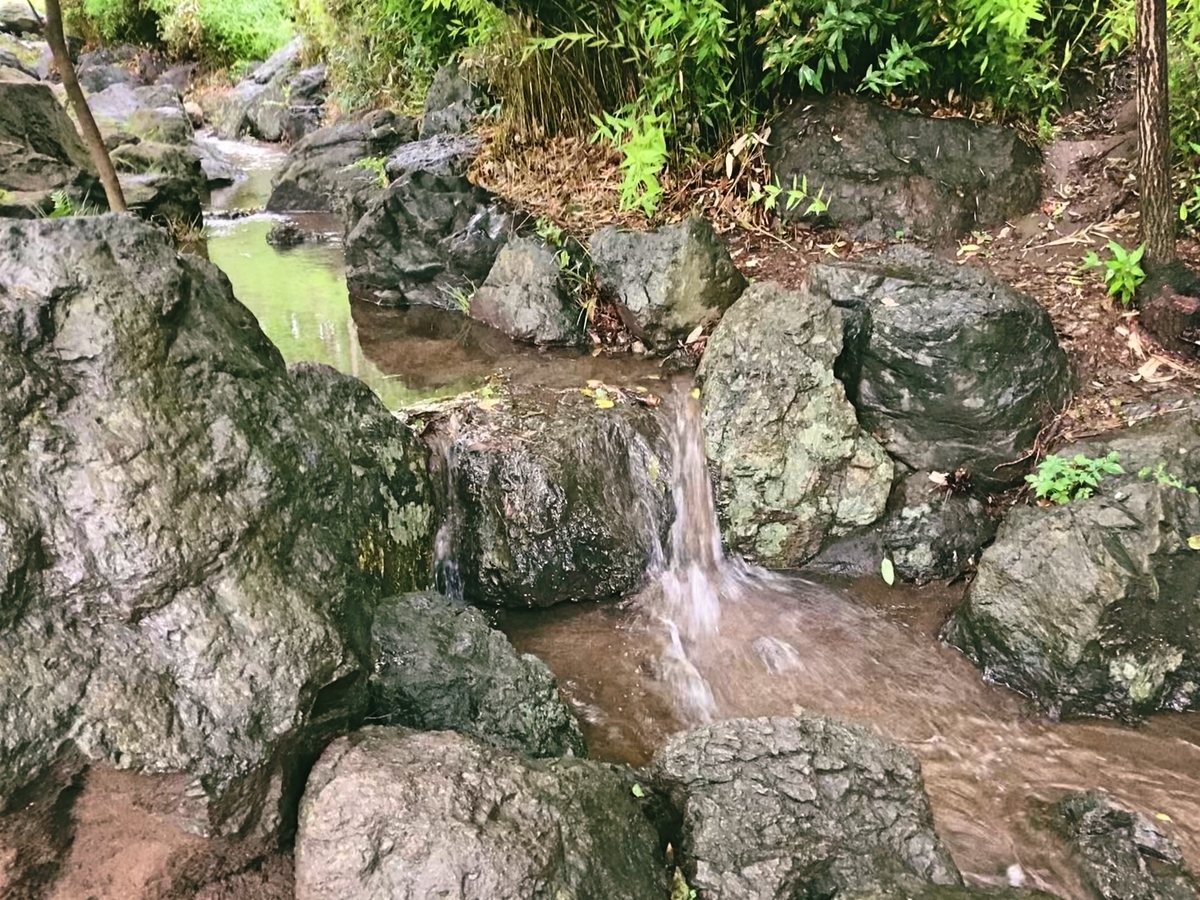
(710, 638)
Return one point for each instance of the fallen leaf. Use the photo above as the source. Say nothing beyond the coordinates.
(604, 403)
(695, 393)
(489, 403)
(1194, 542)
(938, 478)
(889, 301)
(694, 335)
(1162, 817)
(888, 571)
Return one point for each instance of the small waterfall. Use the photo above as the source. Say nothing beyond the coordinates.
(446, 577)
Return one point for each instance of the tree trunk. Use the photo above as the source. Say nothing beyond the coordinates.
(87, 123)
(1158, 212)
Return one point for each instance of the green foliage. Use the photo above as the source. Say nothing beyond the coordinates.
(643, 143)
(1164, 478)
(680, 889)
(376, 165)
(65, 207)
(1062, 480)
(768, 195)
(1122, 270)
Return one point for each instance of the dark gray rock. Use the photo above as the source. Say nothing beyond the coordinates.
(448, 155)
(279, 101)
(192, 538)
(321, 171)
(440, 667)
(774, 809)
(452, 104)
(667, 281)
(884, 171)
(947, 366)
(10, 60)
(428, 240)
(553, 499)
(18, 18)
(219, 170)
(526, 297)
(178, 78)
(793, 469)
(153, 113)
(101, 69)
(40, 150)
(162, 182)
(283, 62)
(286, 234)
(1123, 854)
(1090, 608)
(393, 813)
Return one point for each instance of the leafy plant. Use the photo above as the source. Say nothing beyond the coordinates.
(65, 207)
(377, 165)
(460, 297)
(1122, 270)
(1062, 480)
(643, 144)
(1160, 475)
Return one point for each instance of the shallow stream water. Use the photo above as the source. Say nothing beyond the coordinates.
(709, 638)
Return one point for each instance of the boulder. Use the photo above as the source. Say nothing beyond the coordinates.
(1122, 854)
(792, 466)
(440, 667)
(12, 60)
(526, 297)
(101, 69)
(163, 183)
(947, 366)
(667, 281)
(429, 239)
(40, 150)
(774, 809)
(395, 813)
(192, 538)
(153, 113)
(282, 62)
(1090, 608)
(452, 103)
(279, 101)
(553, 498)
(18, 18)
(882, 171)
(322, 171)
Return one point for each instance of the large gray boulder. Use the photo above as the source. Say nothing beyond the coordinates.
(152, 113)
(1090, 608)
(165, 183)
(554, 499)
(452, 103)
(947, 366)
(429, 239)
(192, 538)
(526, 296)
(278, 101)
(793, 468)
(393, 813)
(774, 809)
(440, 667)
(40, 150)
(322, 171)
(883, 171)
(667, 281)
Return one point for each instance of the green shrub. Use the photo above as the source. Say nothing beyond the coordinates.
(1062, 480)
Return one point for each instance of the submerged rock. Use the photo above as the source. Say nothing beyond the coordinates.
(553, 499)
(441, 667)
(394, 813)
(774, 809)
(793, 468)
(882, 171)
(525, 296)
(947, 366)
(192, 538)
(667, 281)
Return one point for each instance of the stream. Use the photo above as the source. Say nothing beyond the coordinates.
(712, 638)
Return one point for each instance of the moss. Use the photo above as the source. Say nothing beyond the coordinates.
(1144, 680)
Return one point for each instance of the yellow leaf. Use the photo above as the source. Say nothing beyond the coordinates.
(604, 403)
(695, 335)
(489, 403)
(695, 393)
(587, 392)
(1162, 817)
(1194, 541)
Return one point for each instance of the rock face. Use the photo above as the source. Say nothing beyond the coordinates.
(163, 182)
(524, 296)
(792, 465)
(321, 172)
(1122, 854)
(152, 113)
(440, 667)
(774, 809)
(430, 239)
(1090, 608)
(884, 171)
(192, 538)
(553, 499)
(452, 103)
(393, 813)
(40, 151)
(667, 281)
(279, 100)
(949, 367)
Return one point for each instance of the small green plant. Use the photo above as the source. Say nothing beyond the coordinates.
(643, 143)
(460, 297)
(64, 207)
(549, 232)
(1160, 475)
(768, 195)
(1122, 270)
(1061, 480)
(376, 165)
(680, 889)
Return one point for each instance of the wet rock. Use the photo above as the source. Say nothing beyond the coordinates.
(192, 538)
(554, 499)
(286, 234)
(440, 667)
(667, 281)
(40, 150)
(808, 807)
(101, 69)
(429, 239)
(525, 296)
(792, 466)
(283, 61)
(883, 171)
(947, 366)
(447, 155)
(279, 100)
(219, 170)
(1090, 608)
(162, 182)
(452, 104)
(178, 77)
(440, 814)
(1123, 855)
(322, 171)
